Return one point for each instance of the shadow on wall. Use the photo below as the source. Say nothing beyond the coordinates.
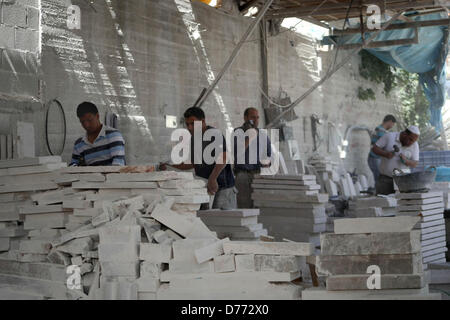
(139, 59)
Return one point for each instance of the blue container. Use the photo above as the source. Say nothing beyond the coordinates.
(443, 174)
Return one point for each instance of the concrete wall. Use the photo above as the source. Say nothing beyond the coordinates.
(145, 59)
(294, 65)
(19, 60)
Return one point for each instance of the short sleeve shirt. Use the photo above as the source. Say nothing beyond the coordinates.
(226, 178)
(387, 143)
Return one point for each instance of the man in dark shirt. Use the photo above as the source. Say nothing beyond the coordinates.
(219, 174)
(247, 163)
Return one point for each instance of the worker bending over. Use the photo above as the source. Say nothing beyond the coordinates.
(101, 146)
(397, 150)
(219, 174)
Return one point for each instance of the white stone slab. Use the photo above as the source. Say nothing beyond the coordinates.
(289, 196)
(436, 258)
(331, 188)
(231, 221)
(180, 184)
(420, 201)
(45, 220)
(284, 182)
(440, 239)
(29, 187)
(254, 227)
(224, 263)
(379, 201)
(29, 161)
(285, 187)
(317, 215)
(34, 246)
(90, 212)
(114, 185)
(393, 294)
(426, 195)
(433, 252)
(150, 176)
(424, 207)
(432, 235)
(209, 252)
(433, 223)
(189, 267)
(193, 199)
(120, 233)
(433, 246)
(229, 279)
(373, 225)
(245, 262)
(120, 252)
(228, 213)
(422, 213)
(433, 229)
(41, 209)
(289, 205)
(120, 269)
(276, 248)
(286, 177)
(181, 224)
(4, 244)
(148, 284)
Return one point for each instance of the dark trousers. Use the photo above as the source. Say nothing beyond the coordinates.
(385, 185)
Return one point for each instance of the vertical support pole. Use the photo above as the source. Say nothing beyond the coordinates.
(264, 64)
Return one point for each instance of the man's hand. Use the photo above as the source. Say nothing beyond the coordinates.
(403, 158)
(265, 163)
(212, 186)
(163, 166)
(389, 155)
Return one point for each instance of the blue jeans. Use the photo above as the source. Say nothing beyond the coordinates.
(374, 165)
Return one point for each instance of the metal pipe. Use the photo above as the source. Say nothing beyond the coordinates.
(235, 52)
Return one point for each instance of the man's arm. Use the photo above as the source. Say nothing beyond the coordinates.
(379, 145)
(213, 186)
(380, 152)
(221, 162)
(76, 156)
(118, 151)
(412, 163)
(409, 163)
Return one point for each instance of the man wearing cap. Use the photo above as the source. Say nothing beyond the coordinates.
(397, 150)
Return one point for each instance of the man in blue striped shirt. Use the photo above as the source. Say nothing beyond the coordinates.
(102, 145)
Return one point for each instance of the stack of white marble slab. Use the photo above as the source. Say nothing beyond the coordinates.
(366, 207)
(188, 193)
(444, 187)
(325, 171)
(291, 206)
(372, 258)
(429, 206)
(178, 258)
(233, 270)
(19, 179)
(238, 224)
(447, 232)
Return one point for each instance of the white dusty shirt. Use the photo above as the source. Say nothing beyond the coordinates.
(387, 143)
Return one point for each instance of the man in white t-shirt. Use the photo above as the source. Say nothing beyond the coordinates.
(397, 150)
